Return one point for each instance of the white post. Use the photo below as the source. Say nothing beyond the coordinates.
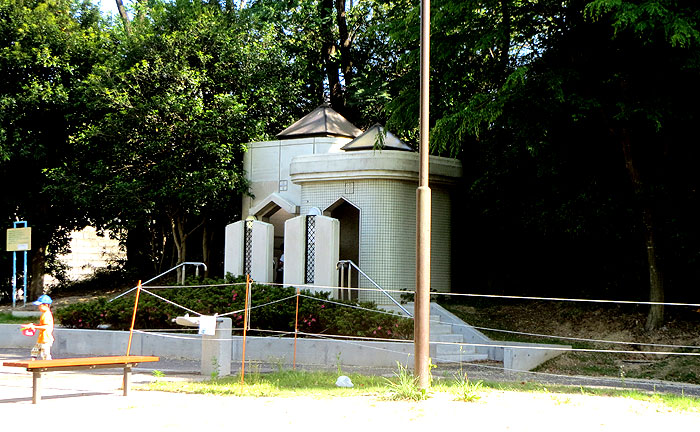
(294, 250)
(262, 244)
(327, 252)
(326, 249)
(217, 350)
(233, 248)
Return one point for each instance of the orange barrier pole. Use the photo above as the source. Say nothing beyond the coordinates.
(296, 329)
(245, 325)
(133, 318)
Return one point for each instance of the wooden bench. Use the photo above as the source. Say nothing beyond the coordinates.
(74, 364)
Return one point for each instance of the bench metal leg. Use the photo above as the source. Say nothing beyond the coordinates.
(127, 379)
(36, 387)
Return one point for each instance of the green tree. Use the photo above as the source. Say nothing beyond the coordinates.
(570, 119)
(177, 102)
(47, 47)
(340, 49)
(657, 47)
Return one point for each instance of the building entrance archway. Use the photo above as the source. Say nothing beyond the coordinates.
(349, 217)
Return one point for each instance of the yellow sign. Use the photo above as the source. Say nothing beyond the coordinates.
(19, 239)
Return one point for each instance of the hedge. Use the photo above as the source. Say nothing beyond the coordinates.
(316, 314)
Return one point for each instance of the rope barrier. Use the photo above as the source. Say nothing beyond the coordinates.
(562, 299)
(469, 344)
(257, 306)
(354, 306)
(168, 301)
(510, 297)
(358, 340)
(564, 348)
(195, 286)
(470, 364)
(516, 332)
(576, 338)
(461, 325)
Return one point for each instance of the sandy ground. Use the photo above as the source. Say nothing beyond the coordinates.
(83, 401)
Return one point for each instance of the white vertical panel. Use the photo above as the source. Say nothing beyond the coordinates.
(263, 246)
(327, 250)
(294, 250)
(233, 248)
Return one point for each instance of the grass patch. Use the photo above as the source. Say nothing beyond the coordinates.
(278, 384)
(7, 318)
(404, 386)
(322, 385)
(466, 390)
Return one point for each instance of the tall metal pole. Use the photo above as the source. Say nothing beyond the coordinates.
(423, 203)
(24, 280)
(14, 278)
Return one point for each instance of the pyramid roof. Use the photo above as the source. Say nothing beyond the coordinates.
(324, 121)
(376, 137)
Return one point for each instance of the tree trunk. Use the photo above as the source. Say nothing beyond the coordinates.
(206, 252)
(655, 319)
(504, 39)
(124, 16)
(177, 224)
(328, 51)
(346, 61)
(37, 270)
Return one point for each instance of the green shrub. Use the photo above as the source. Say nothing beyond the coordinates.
(316, 315)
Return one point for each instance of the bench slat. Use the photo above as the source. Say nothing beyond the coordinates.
(80, 361)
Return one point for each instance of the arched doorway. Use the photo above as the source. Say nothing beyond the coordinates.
(276, 210)
(349, 217)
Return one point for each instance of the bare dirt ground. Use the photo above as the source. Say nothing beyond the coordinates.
(590, 327)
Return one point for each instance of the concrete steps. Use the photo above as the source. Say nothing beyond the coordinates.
(446, 344)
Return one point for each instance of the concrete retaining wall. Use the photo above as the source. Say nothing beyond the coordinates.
(280, 350)
(266, 349)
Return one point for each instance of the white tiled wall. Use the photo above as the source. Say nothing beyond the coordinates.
(388, 231)
(267, 163)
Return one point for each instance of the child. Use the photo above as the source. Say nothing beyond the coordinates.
(45, 327)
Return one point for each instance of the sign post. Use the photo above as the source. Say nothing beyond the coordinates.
(19, 239)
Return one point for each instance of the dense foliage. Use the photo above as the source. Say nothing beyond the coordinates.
(46, 49)
(268, 316)
(574, 121)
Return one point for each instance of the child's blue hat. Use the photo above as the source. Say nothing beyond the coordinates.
(43, 299)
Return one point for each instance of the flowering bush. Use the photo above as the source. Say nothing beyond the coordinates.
(315, 314)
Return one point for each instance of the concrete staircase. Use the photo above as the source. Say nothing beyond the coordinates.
(453, 341)
(447, 344)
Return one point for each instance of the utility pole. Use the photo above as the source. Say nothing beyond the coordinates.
(421, 326)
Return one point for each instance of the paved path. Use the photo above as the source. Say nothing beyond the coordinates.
(78, 401)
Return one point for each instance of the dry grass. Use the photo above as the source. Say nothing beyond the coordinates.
(595, 322)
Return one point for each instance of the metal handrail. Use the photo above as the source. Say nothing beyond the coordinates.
(197, 264)
(349, 262)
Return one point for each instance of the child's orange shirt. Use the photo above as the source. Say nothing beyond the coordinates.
(46, 335)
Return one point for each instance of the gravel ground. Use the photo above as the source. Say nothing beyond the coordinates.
(81, 400)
